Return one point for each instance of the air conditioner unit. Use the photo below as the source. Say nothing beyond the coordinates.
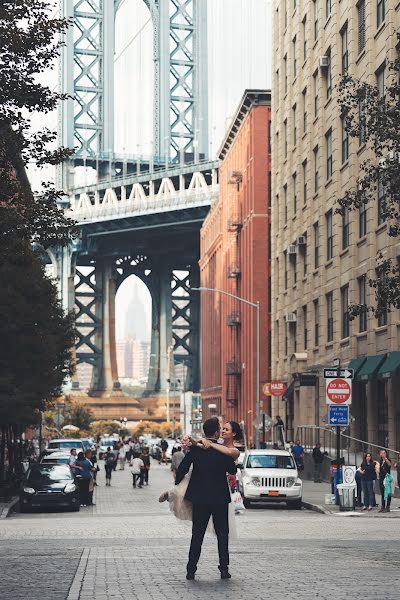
(290, 318)
(301, 240)
(292, 249)
(324, 62)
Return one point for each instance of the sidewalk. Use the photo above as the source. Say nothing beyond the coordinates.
(314, 499)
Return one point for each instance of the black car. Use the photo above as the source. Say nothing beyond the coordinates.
(49, 485)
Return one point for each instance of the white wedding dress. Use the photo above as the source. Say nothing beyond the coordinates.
(182, 509)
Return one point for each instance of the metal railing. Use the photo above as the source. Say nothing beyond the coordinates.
(353, 449)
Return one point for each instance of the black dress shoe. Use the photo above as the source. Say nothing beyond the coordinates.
(190, 576)
(225, 574)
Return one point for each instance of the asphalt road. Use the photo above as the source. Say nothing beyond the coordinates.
(130, 547)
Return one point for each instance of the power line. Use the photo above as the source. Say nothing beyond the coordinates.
(132, 40)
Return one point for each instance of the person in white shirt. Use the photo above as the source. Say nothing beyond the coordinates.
(72, 457)
(122, 457)
(137, 471)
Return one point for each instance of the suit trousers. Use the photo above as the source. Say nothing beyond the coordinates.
(201, 517)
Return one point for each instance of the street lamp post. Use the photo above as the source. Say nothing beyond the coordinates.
(255, 305)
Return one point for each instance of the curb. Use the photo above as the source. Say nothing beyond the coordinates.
(7, 508)
(316, 508)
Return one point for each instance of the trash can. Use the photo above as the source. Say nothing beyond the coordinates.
(347, 496)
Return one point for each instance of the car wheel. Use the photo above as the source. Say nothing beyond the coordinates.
(246, 503)
(295, 504)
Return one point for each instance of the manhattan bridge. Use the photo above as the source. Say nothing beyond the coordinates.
(140, 217)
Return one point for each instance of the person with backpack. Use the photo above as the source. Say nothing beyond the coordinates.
(109, 464)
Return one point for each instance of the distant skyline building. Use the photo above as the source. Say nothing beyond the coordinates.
(133, 359)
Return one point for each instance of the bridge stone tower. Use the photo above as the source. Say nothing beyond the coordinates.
(91, 271)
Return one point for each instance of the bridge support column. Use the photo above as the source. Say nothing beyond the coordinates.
(105, 373)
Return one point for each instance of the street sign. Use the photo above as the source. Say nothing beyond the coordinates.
(338, 415)
(338, 391)
(277, 388)
(266, 389)
(332, 373)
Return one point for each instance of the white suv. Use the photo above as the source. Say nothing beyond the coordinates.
(270, 475)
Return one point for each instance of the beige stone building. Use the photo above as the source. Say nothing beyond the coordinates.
(320, 261)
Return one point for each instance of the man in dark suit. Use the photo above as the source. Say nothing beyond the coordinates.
(209, 493)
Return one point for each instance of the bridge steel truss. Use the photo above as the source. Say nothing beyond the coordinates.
(89, 275)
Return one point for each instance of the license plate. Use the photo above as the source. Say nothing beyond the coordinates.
(272, 493)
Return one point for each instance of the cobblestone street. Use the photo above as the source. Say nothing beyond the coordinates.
(130, 547)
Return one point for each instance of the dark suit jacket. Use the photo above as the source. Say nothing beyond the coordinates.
(208, 482)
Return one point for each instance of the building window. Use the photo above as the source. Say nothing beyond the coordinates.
(294, 5)
(329, 235)
(305, 182)
(294, 58)
(316, 170)
(345, 229)
(316, 245)
(315, 90)
(345, 141)
(305, 330)
(362, 220)
(362, 117)
(277, 210)
(305, 37)
(305, 110)
(285, 141)
(362, 299)
(344, 303)
(382, 308)
(285, 72)
(380, 12)
(316, 10)
(380, 81)
(304, 248)
(361, 25)
(286, 271)
(329, 157)
(329, 317)
(294, 193)
(286, 203)
(294, 125)
(328, 7)
(294, 264)
(329, 74)
(345, 48)
(381, 203)
(316, 322)
(277, 82)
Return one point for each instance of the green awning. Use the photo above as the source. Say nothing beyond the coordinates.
(356, 364)
(391, 366)
(370, 367)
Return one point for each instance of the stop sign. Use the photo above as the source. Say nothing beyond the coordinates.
(338, 391)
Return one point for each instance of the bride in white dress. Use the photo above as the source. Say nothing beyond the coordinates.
(181, 508)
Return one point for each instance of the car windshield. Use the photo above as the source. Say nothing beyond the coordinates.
(66, 444)
(270, 461)
(47, 473)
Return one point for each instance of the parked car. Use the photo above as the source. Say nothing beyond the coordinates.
(66, 444)
(55, 458)
(49, 485)
(270, 476)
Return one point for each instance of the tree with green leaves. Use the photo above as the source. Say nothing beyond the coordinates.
(79, 415)
(36, 336)
(373, 116)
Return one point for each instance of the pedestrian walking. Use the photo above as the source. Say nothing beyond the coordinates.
(145, 456)
(84, 478)
(122, 456)
(164, 448)
(109, 462)
(368, 477)
(385, 467)
(318, 458)
(298, 455)
(280, 428)
(91, 456)
(176, 460)
(137, 471)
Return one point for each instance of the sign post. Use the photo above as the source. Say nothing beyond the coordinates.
(338, 398)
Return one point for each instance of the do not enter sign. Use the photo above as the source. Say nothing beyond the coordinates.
(338, 391)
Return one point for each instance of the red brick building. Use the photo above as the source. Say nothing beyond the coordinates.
(235, 257)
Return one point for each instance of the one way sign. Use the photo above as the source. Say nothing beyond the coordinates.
(332, 373)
